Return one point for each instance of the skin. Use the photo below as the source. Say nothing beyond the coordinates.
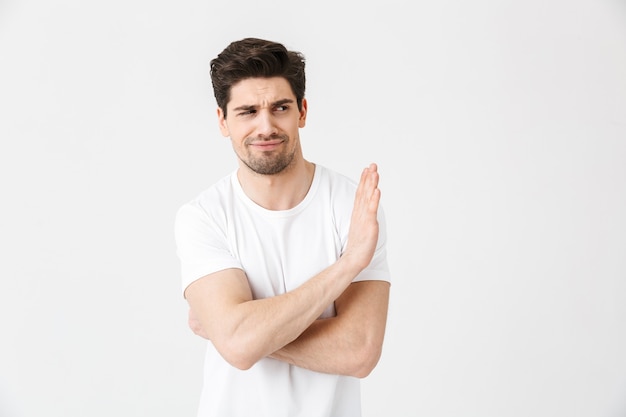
(263, 124)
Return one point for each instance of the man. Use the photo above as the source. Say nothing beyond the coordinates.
(283, 261)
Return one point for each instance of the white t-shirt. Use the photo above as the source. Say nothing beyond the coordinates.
(278, 250)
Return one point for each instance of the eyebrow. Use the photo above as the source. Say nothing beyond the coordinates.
(274, 104)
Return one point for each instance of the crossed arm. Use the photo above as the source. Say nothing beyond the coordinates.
(286, 327)
(349, 343)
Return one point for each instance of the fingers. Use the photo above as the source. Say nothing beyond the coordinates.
(363, 233)
(372, 169)
(375, 200)
(368, 191)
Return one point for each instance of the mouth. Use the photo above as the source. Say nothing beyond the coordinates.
(266, 145)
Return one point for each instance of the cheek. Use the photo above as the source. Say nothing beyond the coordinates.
(237, 137)
(235, 131)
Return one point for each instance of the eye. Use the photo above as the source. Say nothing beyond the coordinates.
(282, 108)
(246, 112)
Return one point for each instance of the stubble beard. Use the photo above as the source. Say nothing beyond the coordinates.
(269, 162)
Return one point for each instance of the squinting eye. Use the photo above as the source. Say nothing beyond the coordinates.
(282, 108)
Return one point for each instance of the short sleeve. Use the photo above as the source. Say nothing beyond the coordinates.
(201, 245)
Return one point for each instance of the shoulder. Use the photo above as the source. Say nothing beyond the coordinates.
(336, 182)
(209, 202)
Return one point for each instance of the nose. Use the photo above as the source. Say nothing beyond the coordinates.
(266, 126)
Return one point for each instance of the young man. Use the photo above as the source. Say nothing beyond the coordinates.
(283, 261)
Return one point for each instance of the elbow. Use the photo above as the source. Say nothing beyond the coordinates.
(241, 363)
(364, 360)
(238, 355)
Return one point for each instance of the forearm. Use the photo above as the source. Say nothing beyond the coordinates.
(351, 342)
(322, 348)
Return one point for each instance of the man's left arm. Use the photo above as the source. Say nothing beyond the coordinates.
(349, 343)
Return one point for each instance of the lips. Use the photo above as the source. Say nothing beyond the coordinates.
(266, 145)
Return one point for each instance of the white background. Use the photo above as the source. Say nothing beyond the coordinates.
(500, 132)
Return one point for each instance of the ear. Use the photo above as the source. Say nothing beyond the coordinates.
(221, 120)
(302, 119)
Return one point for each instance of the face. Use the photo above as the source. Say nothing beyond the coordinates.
(263, 121)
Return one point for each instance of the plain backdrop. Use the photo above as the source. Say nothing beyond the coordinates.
(499, 128)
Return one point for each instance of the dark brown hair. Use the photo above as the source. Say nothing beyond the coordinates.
(252, 58)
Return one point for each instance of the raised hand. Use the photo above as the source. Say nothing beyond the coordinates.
(363, 233)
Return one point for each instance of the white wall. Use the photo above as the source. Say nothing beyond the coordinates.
(500, 132)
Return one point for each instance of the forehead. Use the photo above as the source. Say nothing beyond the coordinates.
(260, 91)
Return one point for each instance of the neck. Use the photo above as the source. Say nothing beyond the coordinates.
(281, 191)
